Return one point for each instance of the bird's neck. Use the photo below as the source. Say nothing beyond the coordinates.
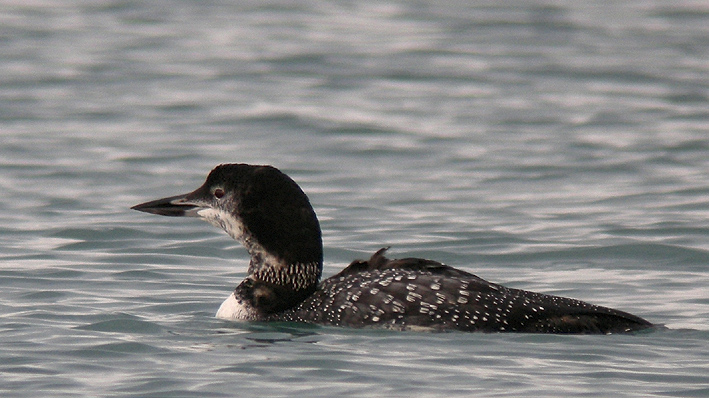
(294, 261)
(273, 285)
(286, 256)
(277, 270)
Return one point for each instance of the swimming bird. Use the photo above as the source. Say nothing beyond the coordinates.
(269, 214)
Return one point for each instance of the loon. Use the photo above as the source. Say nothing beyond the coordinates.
(269, 214)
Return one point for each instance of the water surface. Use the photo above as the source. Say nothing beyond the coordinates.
(559, 147)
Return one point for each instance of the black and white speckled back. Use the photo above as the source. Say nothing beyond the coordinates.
(422, 294)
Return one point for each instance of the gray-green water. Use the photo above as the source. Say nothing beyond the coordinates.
(561, 147)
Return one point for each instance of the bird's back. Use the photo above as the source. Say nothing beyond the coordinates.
(415, 293)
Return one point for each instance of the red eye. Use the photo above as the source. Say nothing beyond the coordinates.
(218, 193)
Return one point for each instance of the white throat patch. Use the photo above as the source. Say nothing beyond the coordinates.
(235, 228)
(222, 219)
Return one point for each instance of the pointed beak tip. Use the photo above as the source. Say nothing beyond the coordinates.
(166, 207)
(142, 208)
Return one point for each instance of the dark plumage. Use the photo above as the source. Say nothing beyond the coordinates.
(417, 293)
(267, 212)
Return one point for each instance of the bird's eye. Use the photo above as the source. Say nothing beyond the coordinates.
(218, 193)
